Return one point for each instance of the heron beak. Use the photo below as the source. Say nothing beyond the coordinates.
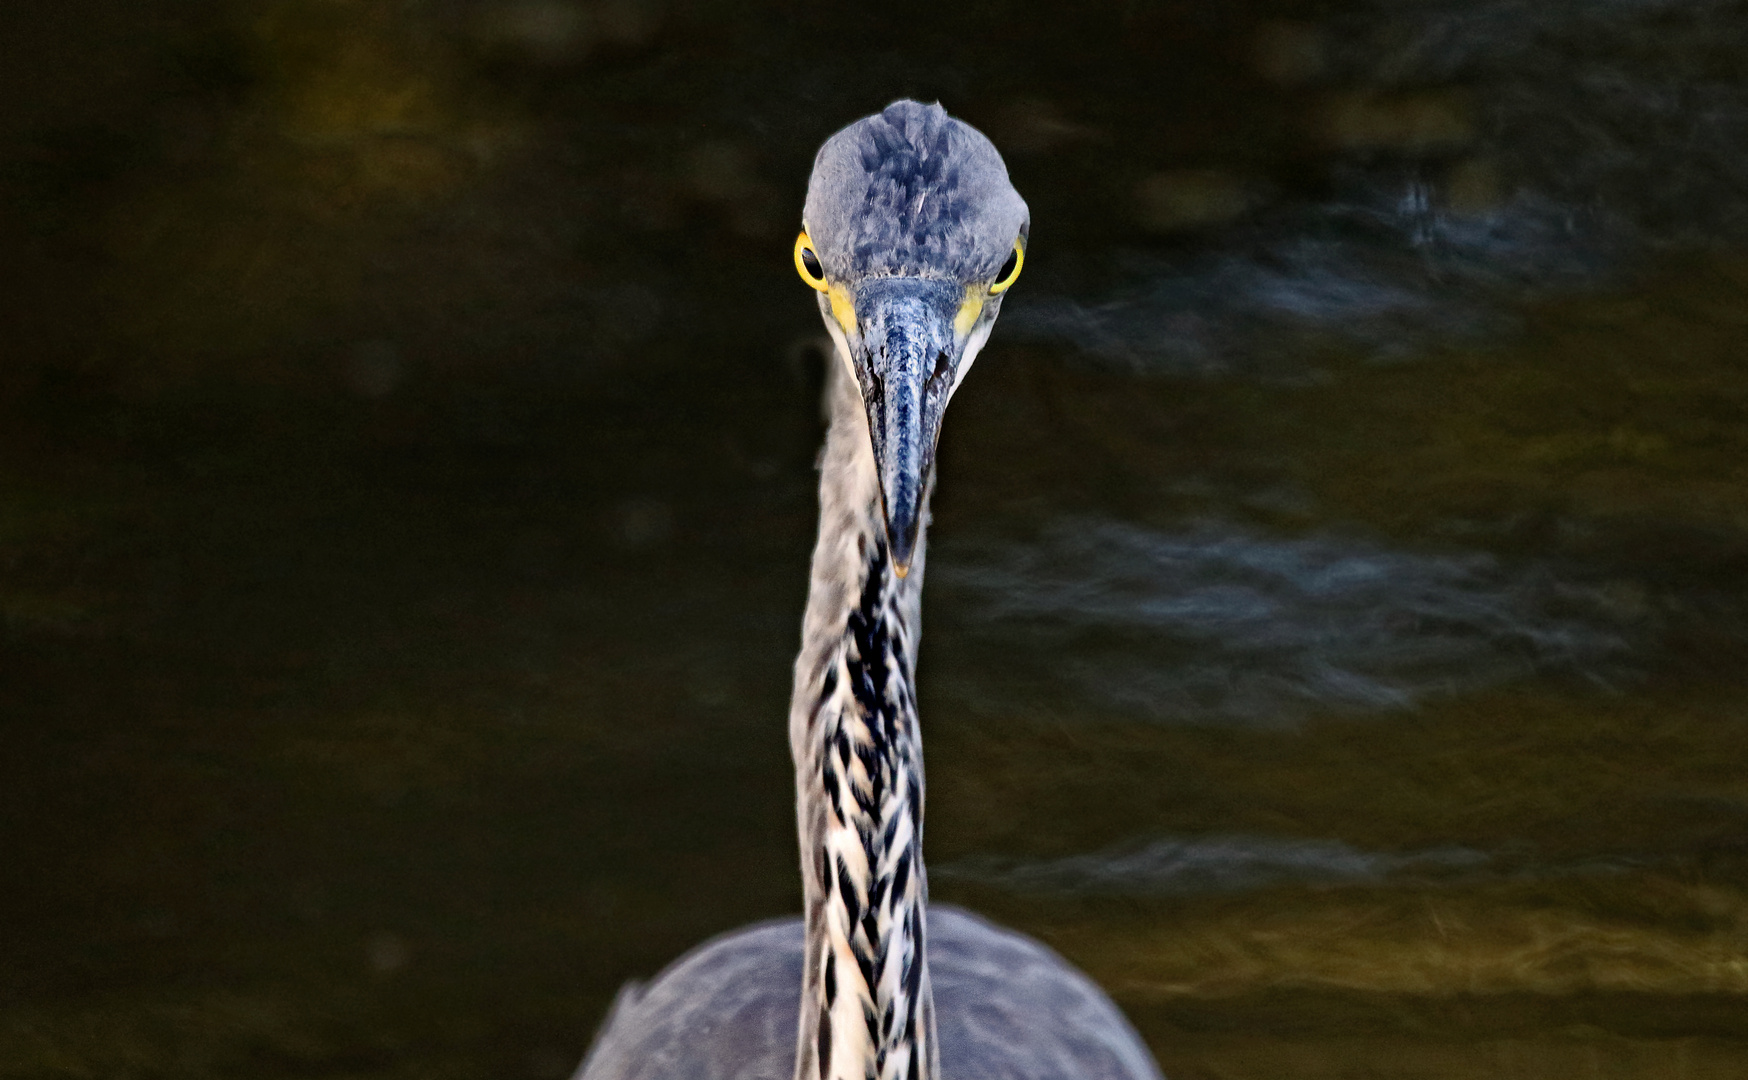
(906, 355)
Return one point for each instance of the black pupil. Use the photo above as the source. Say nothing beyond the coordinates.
(811, 261)
(1007, 268)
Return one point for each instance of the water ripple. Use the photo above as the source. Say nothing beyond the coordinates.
(1612, 128)
(1219, 623)
(1214, 864)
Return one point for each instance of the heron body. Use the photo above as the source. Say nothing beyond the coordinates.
(912, 234)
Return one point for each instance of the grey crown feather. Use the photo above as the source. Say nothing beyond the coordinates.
(912, 191)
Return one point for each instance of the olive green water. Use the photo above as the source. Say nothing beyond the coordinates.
(406, 492)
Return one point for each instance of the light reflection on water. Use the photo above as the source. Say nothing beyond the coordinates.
(1501, 152)
(1384, 273)
(1210, 864)
(1222, 624)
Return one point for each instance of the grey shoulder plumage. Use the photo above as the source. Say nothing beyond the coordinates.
(897, 192)
(1007, 1007)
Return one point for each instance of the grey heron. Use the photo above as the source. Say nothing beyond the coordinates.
(911, 235)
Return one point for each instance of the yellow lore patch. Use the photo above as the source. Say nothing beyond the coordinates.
(968, 312)
(843, 310)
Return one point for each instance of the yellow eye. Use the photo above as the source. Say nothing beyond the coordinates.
(1009, 270)
(807, 262)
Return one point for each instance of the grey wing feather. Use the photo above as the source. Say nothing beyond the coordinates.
(1011, 1009)
(725, 1011)
(1007, 1007)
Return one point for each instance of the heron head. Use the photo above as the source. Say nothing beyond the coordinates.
(911, 234)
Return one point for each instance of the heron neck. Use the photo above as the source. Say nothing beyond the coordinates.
(866, 1006)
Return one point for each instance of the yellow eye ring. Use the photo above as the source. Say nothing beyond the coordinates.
(1010, 270)
(807, 263)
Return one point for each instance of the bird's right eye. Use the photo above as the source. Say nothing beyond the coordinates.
(807, 262)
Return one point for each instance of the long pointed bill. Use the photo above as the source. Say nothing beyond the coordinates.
(906, 358)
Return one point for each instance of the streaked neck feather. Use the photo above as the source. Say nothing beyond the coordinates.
(867, 1011)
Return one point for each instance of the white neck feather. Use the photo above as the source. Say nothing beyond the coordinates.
(867, 1012)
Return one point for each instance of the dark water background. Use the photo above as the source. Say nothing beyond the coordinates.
(1338, 616)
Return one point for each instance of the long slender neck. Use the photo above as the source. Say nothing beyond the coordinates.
(867, 1012)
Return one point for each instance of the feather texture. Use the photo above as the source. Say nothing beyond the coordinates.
(914, 210)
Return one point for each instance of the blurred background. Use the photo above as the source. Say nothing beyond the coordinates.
(1338, 607)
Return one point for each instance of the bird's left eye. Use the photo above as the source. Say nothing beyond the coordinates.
(1009, 270)
(807, 262)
